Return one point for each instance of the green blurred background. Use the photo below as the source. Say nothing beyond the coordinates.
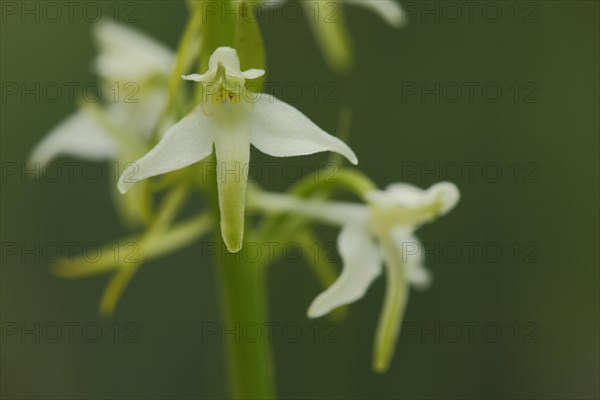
(549, 289)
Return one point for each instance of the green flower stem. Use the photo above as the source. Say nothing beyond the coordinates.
(244, 303)
(241, 285)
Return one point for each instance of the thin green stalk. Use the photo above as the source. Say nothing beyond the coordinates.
(244, 310)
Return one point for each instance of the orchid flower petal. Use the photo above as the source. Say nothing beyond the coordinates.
(447, 193)
(362, 264)
(187, 142)
(253, 73)
(280, 130)
(389, 10)
(128, 54)
(79, 135)
(402, 194)
(232, 146)
(195, 77)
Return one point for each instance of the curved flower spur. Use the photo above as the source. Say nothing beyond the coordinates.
(231, 118)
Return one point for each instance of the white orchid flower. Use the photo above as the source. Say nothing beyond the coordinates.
(129, 55)
(230, 119)
(125, 57)
(329, 28)
(134, 69)
(372, 234)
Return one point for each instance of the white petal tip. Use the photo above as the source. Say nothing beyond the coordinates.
(420, 278)
(124, 184)
(314, 311)
(122, 187)
(347, 152)
(398, 20)
(192, 77)
(253, 73)
(449, 195)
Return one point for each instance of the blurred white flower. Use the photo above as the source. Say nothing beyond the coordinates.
(380, 232)
(134, 70)
(139, 66)
(129, 55)
(231, 118)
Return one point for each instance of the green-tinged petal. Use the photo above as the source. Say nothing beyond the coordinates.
(129, 55)
(232, 147)
(362, 264)
(394, 304)
(280, 130)
(332, 212)
(187, 142)
(80, 136)
(328, 24)
(389, 10)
